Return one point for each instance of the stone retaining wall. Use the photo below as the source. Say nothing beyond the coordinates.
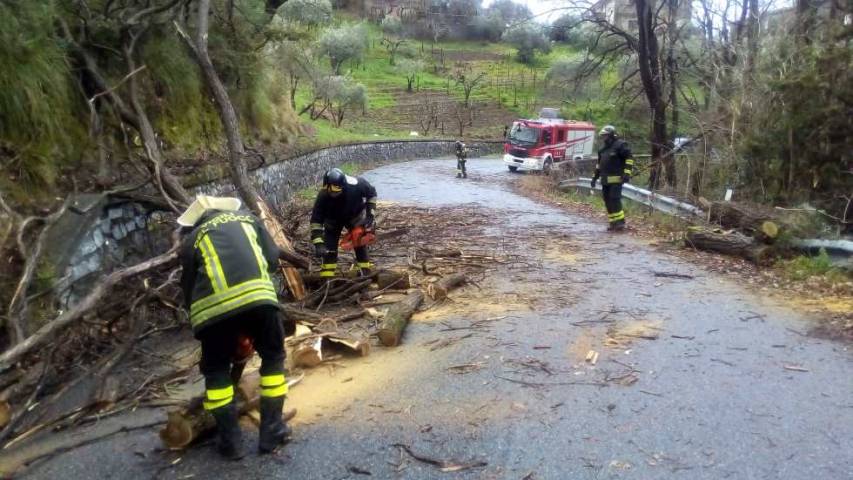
(100, 234)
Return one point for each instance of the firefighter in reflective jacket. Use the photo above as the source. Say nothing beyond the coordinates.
(344, 201)
(227, 257)
(614, 168)
(461, 158)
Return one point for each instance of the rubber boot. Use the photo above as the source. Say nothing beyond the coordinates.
(230, 441)
(619, 226)
(273, 431)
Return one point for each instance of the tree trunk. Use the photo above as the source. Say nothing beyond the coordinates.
(390, 279)
(730, 215)
(734, 244)
(236, 151)
(397, 317)
(440, 289)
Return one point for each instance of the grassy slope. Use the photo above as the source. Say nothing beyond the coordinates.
(383, 82)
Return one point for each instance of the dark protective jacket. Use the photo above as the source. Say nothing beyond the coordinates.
(227, 261)
(461, 151)
(345, 209)
(614, 162)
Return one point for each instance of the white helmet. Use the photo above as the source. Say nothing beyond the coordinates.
(608, 130)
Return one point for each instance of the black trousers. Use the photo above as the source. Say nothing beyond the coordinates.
(460, 167)
(331, 238)
(219, 343)
(613, 203)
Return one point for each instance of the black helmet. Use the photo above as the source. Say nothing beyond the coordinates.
(334, 179)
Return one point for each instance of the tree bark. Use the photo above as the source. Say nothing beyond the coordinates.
(236, 151)
(730, 215)
(397, 317)
(440, 289)
(734, 244)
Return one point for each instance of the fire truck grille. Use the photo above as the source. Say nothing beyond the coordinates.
(517, 152)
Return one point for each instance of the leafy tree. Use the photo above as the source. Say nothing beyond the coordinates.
(527, 39)
(311, 13)
(339, 94)
(410, 68)
(509, 11)
(347, 42)
(392, 30)
(488, 27)
(567, 29)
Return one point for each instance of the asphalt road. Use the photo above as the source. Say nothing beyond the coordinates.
(696, 378)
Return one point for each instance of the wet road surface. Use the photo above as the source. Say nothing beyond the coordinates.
(696, 378)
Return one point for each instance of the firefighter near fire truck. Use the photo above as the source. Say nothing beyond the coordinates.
(614, 168)
(227, 257)
(343, 202)
(461, 158)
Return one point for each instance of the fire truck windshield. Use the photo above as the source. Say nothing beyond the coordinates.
(522, 135)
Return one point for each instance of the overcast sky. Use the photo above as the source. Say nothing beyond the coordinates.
(543, 9)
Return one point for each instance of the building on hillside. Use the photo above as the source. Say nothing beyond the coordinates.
(623, 13)
(781, 21)
(402, 9)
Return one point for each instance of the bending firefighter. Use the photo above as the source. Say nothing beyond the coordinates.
(227, 257)
(615, 166)
(344, 201)
(461, 158)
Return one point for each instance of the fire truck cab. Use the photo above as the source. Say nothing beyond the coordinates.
(536, 145)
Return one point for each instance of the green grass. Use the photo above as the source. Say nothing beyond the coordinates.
(805, 267)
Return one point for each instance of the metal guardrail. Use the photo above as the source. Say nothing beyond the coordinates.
(681, 209)
(654, 200)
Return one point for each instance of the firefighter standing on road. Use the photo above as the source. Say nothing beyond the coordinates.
(344, 201)
(614, 168)
(227, 257)
(461, 157)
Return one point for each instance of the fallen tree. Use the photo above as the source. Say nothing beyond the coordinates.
(439, 289)
(729, 243)
(397, 317)
(730, 215)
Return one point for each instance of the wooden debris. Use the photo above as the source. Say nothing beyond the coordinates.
(731, 215)
(592, 357)
(309, 354)
(440, 289)
(390, 279)
(731, 243)
(5, 413)
(442, 465)
(291, 275)
(397, 317)
(358, 345)
(795, 368)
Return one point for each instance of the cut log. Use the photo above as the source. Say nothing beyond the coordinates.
(107, 393)
(391, 279)
(731, 215)
(187, 424)
(308, 354)
(439, 289)
(733, 243)
(397, 317)
(291, 275)
(357, 345)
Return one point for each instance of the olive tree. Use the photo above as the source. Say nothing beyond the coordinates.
(527, 39)
(410, 68)
(311, 13)
(339, 94)
(347, 42)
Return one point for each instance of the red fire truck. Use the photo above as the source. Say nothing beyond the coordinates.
(536, 145)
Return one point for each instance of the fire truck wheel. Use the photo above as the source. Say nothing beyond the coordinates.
(513, 169)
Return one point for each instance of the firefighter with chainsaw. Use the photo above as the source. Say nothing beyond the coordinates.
(614, 168)
(461, 158)
(343, 202)
(227, 258)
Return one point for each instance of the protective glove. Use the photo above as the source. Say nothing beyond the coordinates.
(319, 250)
(592, 183)
(626, 178)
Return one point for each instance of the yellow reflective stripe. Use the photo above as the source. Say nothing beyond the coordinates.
(212, 265)
(329, 266)
(627, 171)
(371, 200)
(630, 161)
(317, 240)
(220, 393)
(327, 273)
(364, 264)
(216, 404)
(614, 179)
(316, 226)
(245, 299)
(272, 380)
(239, 289)
(252, 236)
(275, 391)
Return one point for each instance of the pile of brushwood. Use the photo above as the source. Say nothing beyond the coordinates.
(127, 346)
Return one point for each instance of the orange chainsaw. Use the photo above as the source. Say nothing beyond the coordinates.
(357, 237)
